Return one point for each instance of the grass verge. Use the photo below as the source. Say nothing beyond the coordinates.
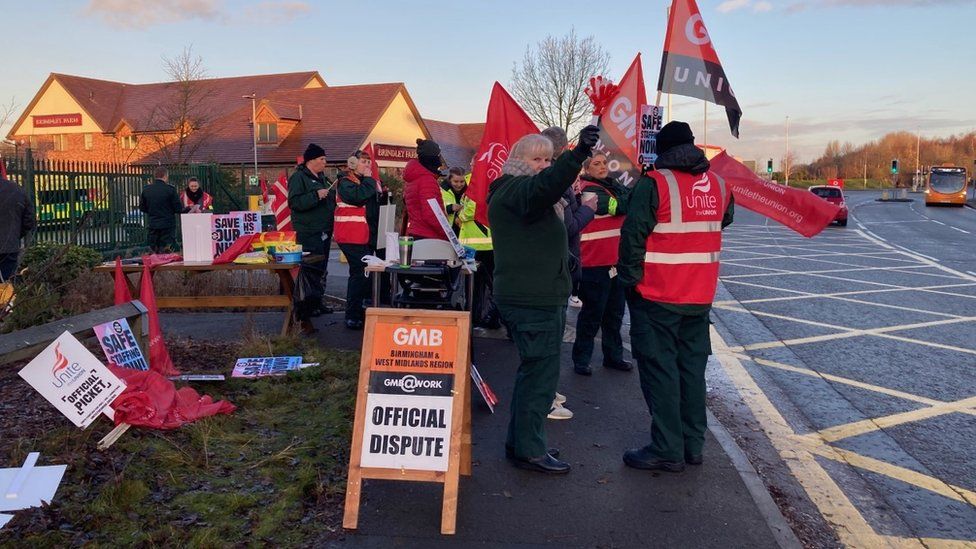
(272, 473)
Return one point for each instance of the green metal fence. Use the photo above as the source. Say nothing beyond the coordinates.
(96, 204)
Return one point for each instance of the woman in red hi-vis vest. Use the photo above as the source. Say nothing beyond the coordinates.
(356, 222)
(669, 262)
(194, 199)
(599, 290)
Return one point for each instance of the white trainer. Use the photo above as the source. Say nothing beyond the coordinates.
(560, 399)
(559, 412)
(575, 301)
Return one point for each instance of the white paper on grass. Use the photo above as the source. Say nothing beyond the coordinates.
(40, 486)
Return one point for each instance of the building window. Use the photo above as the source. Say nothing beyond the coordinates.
(128, 141)
(88, 141)
(267, 132)
(60, 142)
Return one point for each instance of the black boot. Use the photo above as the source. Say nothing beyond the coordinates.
(642, 458)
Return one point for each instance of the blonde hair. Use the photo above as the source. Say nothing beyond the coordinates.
(532, 145)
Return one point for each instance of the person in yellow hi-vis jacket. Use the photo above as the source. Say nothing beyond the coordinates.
(474, 235)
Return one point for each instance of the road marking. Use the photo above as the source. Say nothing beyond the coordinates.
(908, 476)
(848, 430)
(960, 230)
(777, 272)
(887, 287)
(851, 527)
(806, 295)
(939, 222)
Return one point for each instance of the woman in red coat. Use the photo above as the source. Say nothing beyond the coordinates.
(421, 185)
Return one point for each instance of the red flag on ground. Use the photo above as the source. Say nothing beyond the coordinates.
(619, 125)
(151, 400)
(506, 123)
(122, 293)
(690, 66)
(281, 210)
(800, 210)
(159, 360)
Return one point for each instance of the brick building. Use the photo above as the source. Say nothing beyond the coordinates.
(84, 119)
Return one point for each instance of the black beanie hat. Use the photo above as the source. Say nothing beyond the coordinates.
(312, 152)
(428, 147)
(674, 133)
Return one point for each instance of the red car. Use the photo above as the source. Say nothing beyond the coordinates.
(834, 195)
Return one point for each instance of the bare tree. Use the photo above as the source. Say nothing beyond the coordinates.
(550, 80)
(180, 124)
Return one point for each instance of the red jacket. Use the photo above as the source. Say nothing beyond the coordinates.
(421, 185)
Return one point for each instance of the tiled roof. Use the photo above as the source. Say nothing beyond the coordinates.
(109, 103)
(458, 142)
(338, 119)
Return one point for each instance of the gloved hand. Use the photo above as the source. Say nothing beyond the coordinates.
(587, 140)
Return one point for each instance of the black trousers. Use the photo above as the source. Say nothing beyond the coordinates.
(358, 287)
(161, 241)
(310, 286)
(484, 312)
(8, 265)
(603, 309)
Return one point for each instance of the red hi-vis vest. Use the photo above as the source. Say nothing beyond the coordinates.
(600, 239)
(205, 202)
(682, 260)
(350, 223)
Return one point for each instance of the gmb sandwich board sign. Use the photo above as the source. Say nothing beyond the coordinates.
(413, 405)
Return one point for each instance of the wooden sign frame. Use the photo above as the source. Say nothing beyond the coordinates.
(459, 456)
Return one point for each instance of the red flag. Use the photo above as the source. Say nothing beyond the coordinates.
(3, 168)
(122, 293)
(619, 125)
(506, 123)
(151, 400)
(690, 66)
(159, 360)
(264, 191)
(281, 210)
(800, 210)
(374, 168)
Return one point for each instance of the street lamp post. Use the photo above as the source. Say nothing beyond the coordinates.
(787, 151)
(254, 129)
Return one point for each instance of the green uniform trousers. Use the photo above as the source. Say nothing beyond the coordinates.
(671, 350)
(538, 334)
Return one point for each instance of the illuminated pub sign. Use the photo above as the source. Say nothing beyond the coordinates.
(395, 153)
(57, 120)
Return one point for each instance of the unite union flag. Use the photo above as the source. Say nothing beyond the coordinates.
(505, 124)
(690, 65)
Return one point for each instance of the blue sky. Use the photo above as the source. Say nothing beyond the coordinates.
(840, 69)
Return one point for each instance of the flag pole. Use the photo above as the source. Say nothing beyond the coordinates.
(705, 124)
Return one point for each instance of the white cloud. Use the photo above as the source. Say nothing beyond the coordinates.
(141, 14)
(762, 6)
(733, 5)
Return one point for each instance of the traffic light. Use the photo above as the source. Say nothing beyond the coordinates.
(894, 166)
(769, 166)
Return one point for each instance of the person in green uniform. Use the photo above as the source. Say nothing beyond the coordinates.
(307, 191)
(668, 263)
(532, 283)
(359, 190)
